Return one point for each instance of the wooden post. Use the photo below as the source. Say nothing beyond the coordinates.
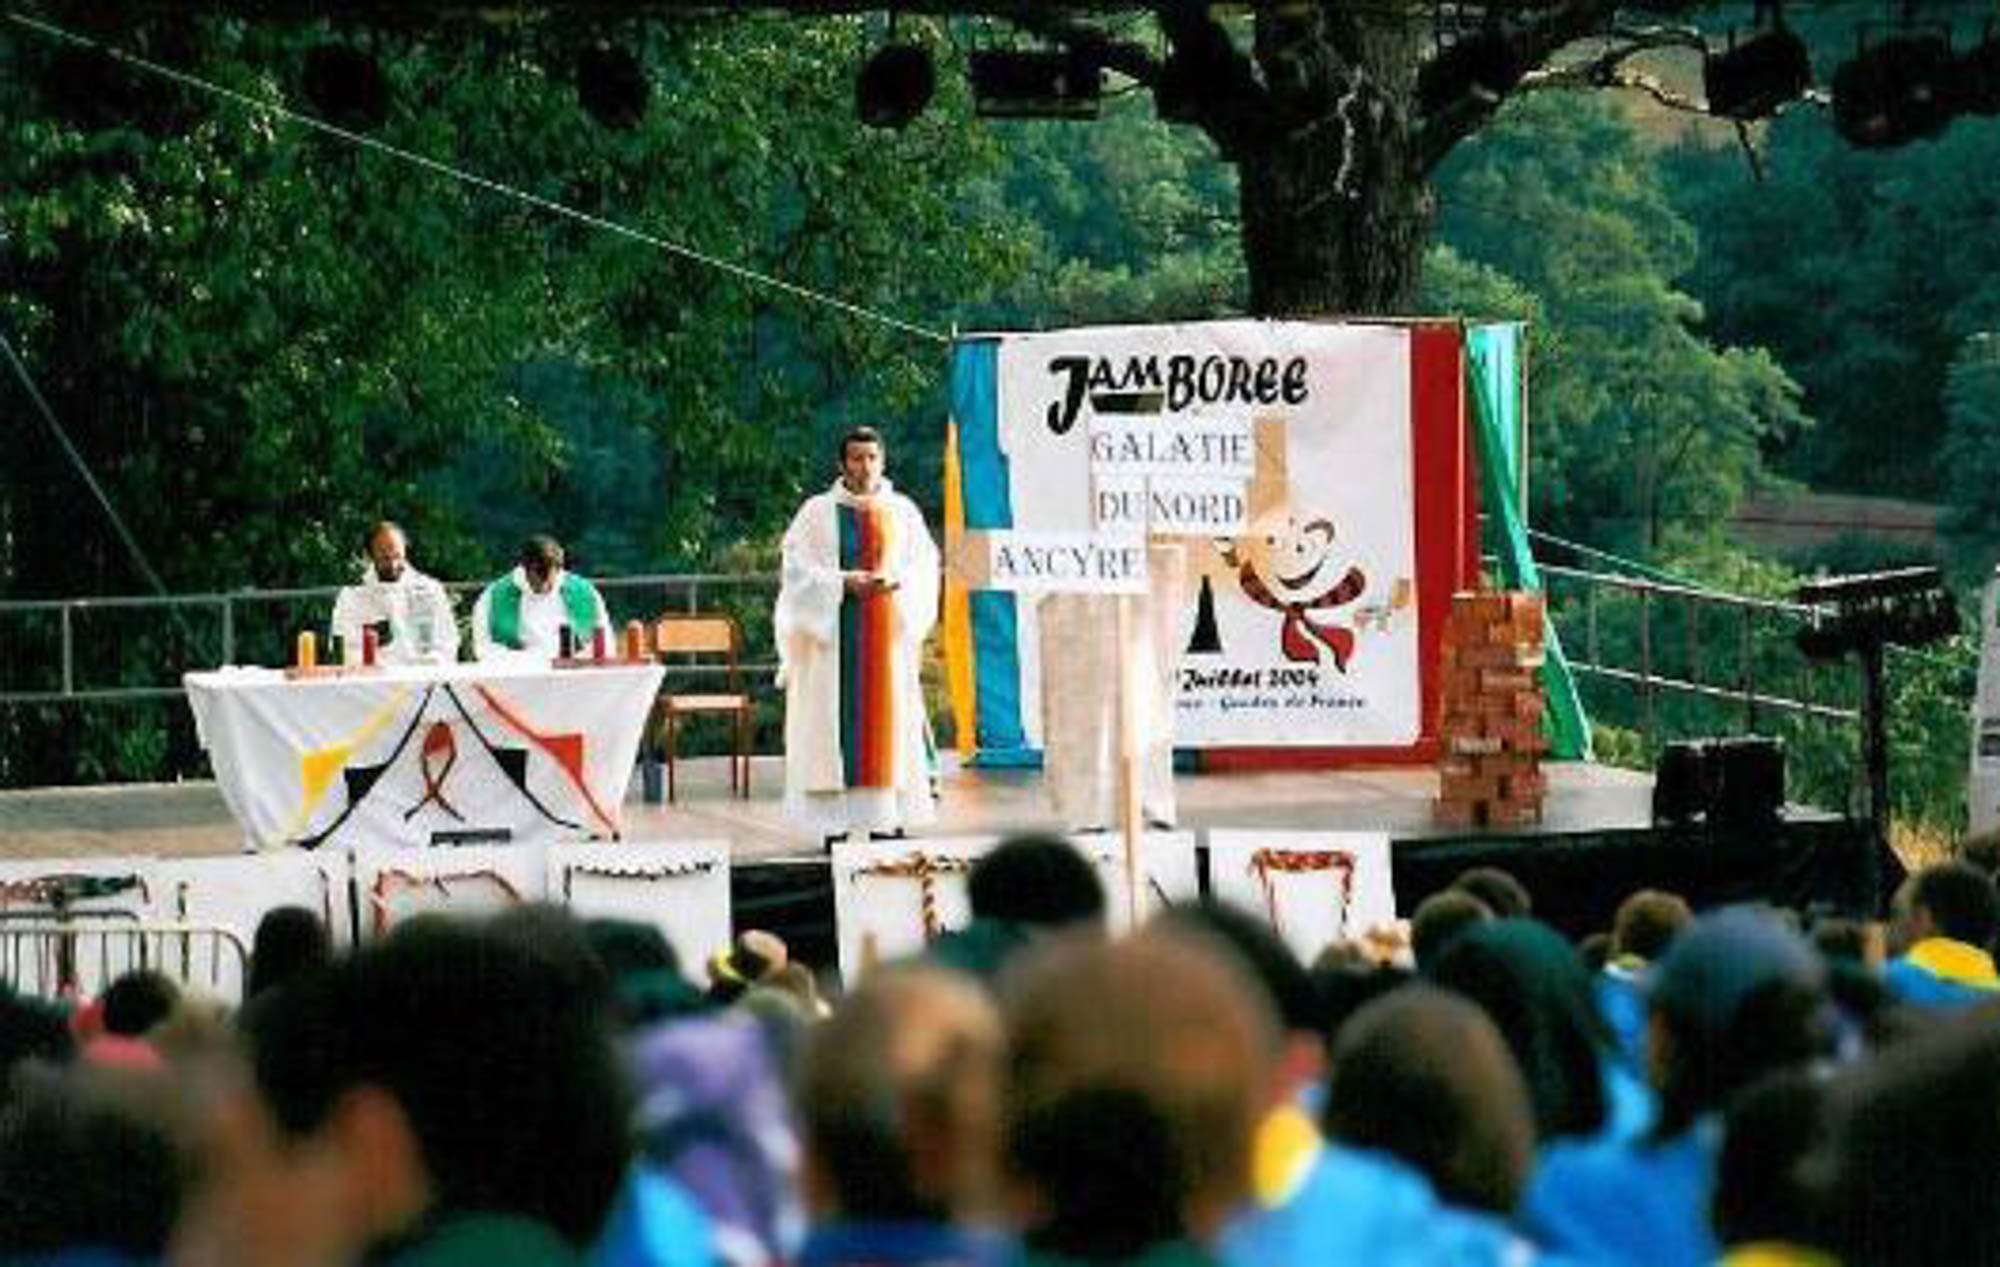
(1128, 763)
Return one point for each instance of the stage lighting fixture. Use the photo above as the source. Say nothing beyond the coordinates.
(1908, 607)
(1894, 93)
(346, 87)
(894, 86)
(1751, 80)
(1202, 68)
(611, 85)
(1482, 63)
(1976, 77)
(1035, 84)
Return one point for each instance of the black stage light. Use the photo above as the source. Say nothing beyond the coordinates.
(1035, 84)
(1976, 77)
(1482, 63)
(1894, 93)
(346, 87)
(1753, 79)
(611, 85)
(894, 85)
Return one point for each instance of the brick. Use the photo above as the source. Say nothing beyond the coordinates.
(1471, 745)
(1524, 606)
(1455, 813)
(1506, 763)
(1458, 683)
(1510, 814)
(1504, 679)
(1476, 787)
(1496, 656)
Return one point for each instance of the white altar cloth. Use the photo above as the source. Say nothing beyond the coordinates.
(417, 754)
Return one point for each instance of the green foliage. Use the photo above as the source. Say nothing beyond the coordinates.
(1863, 272)
(262, 337)
(1130, 220)
(1554, 214)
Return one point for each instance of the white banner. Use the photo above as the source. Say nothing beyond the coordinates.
(1301, 627)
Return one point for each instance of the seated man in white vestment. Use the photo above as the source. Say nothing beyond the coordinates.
(410, 613)
(523, 614)
(858, 597)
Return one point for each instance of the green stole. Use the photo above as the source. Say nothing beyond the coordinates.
(503, 610)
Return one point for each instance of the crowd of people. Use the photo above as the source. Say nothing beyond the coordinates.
(1741, 1085)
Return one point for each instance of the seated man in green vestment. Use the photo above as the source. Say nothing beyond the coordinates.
(524, 613)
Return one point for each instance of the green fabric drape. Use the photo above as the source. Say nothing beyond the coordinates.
(1494, 368)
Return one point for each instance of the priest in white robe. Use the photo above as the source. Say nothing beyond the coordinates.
(858, 597)
(410, 613)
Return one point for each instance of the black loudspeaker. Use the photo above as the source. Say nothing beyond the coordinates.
(1748, 779)
(1683, 784)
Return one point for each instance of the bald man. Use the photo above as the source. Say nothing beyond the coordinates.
(410, 612)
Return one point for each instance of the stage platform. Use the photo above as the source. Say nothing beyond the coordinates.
(1596, 843)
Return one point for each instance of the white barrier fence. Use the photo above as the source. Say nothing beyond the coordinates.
(73, 925)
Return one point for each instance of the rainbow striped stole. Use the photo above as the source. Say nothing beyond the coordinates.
(867, 656)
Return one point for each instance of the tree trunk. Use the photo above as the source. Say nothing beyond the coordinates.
(1336, 208)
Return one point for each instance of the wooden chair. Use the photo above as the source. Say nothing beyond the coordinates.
(679, 639)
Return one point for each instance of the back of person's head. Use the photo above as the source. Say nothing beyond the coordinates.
(1959, 899)
(626, 947)
(1037, 879)
(30, 1029)
(88, 1162)
(556, 938)
(504, 1074)
(1537, 992)
(1261, 953)
(1765, 1186)
(1423, 1075)
(1344, 986)
(289, 940)
(1439, 918)
(755, 956)
(1646, 922)
(1504, 895)
(1135, 1075)
(898, 1096)
(644, 973)
(137, 1001)
(1914, 1171)
(1594, 951)
(1738, 995)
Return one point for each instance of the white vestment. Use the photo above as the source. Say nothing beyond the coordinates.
(807, 628)
(416, 609)
(1080, 665)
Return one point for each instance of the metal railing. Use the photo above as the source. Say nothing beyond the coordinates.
(1748, 624)
(257, 626)
(61, 650)
(51, 956)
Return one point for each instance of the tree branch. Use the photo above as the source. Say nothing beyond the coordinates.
(1459, 95)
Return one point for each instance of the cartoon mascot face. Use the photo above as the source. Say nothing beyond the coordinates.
(1288, 567)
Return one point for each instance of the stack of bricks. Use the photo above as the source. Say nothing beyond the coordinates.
(1490, 727)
